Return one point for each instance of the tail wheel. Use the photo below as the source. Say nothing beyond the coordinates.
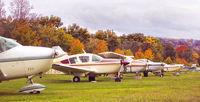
(76, 79)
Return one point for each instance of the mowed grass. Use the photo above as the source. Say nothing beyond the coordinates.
(184, 88)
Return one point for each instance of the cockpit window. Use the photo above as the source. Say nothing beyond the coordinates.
(6, 44)
(84, 58)
(73, 60)
(96, 58)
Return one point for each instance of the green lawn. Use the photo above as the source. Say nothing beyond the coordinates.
(184, 88)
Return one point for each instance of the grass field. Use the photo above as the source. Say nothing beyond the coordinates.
(184, 88)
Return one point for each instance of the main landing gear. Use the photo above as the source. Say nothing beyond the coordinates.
(145, 74)
(91, 78)
(76, 79)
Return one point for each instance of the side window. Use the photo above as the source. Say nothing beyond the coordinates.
(96, 58)
(6, 44)
(73, 60)
(84, 58)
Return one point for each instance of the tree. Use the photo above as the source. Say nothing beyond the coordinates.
(64, 40)
(24, 35)
(91, 45)
(169, 51)
(158, 57)
(168, 60)
(101, 47)
(76, 47)
(139, 54)
(79, 33)
(110, 37)
(52, 21)
(20, 9)
(118, 51)
(2, 10)
(128, 52)
(148, 54)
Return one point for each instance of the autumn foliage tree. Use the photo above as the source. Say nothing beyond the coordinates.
(24, 35)
(76, 47)
(168, 60)
(128, 52)
(118, 51)
(148, 54)
(101, 47)
(139, 54)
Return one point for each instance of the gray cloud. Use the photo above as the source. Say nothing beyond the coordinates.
(162, 18)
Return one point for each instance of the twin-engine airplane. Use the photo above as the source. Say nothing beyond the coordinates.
(136, 66)
(86, 64)
(17, 61)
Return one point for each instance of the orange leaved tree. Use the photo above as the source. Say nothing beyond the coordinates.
(77, 47)
(101, 47)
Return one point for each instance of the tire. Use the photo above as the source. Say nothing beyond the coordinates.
(76, 79)
(91, 78)
(145, 74)
(117, 80)
(38, 92)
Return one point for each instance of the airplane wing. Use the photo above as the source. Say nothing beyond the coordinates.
(2, 75)
(112, 55)
(66, 68)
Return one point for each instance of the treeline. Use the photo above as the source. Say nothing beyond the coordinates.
(30, 29)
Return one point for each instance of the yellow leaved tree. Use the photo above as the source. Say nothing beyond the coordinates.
(118, 51)
(148, 54)
(77, 47)
(139, 54)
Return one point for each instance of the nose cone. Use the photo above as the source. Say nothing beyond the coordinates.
(124, 63)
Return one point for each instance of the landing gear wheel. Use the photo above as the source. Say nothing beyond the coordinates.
(117, 79)
(76, 79)
(161, 75)
(91, 78)
(38, 92)
(145, 74)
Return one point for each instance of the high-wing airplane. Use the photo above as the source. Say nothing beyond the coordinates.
(136, 66)
(17, 61)
(86, 64)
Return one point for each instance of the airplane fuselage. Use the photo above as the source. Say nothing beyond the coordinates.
(24, 61)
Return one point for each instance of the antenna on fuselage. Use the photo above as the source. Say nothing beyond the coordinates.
(83, 51)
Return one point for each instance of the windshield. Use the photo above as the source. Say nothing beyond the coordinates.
(6, 44)
(96, 58)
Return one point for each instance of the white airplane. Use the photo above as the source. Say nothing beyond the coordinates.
(17, 61)
(133, 66)
(86, 64)
(136, 66)
(156, 67)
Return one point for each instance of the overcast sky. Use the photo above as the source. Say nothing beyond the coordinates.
(158, 18)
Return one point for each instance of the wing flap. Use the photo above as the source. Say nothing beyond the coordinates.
(66, 68)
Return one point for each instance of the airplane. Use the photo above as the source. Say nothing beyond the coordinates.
(87, 64)
(136, 66)
(176, 68)
(156, 67)
(18, 61)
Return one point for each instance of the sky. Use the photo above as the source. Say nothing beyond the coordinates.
(157, 18)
